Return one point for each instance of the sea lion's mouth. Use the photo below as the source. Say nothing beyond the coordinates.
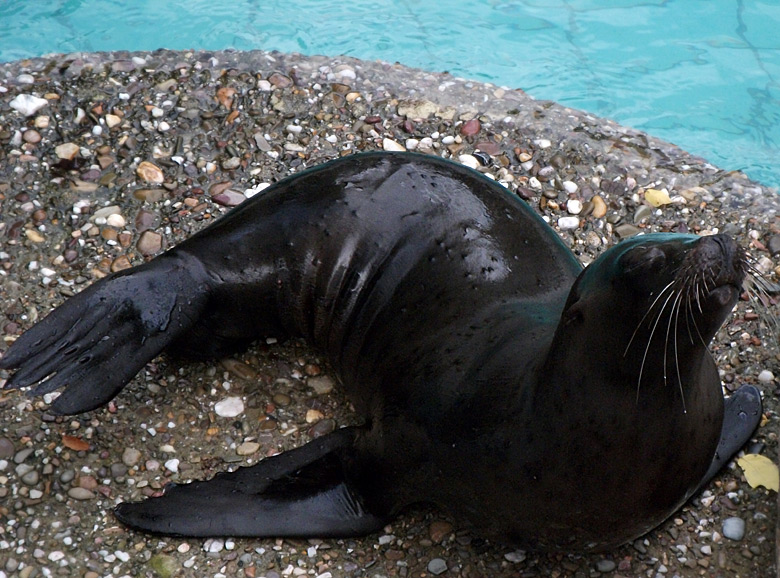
(723, 296)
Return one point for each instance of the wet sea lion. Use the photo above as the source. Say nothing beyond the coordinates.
(548, 406)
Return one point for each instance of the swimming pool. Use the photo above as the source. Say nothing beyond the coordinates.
(702, 74)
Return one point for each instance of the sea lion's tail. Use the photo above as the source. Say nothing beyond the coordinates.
(302, 492)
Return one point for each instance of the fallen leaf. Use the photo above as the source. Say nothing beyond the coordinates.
(657, 197)
(760, 471)
(74, 443)
(225, 96)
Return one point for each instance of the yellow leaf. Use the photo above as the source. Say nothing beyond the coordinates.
(657, 197)
(760, 471)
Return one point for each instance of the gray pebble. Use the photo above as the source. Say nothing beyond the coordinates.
(774, 245)
(605, 566)
(118, 470)
(437, 566)
(130, 457)
(643, 212)
(67, 476)
(22, 455)
(31, 478)
(6, 448)
(734, 528)
(81, 494)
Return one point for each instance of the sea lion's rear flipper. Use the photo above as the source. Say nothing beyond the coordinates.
(741, 418)
(301, 492)
(96, 341)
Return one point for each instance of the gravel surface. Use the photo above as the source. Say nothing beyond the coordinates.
(108, 159)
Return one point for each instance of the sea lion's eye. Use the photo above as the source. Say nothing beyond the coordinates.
(642, 261)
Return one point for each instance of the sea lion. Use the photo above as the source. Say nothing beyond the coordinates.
(546, 405)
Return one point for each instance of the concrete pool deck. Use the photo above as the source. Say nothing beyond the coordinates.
(132, 152)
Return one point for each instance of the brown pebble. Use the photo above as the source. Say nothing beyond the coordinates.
(149, 195)
(238, 368)
(268, 424)
(280, 80)
(67, 151)
(394, 554)
(120, 263)
(470, 127)
(322, 427)
(31, 136)
(281, 399)
(247, 448)
(109, 234)
(105, 161)
(439, 530)
(87, 482)
(150, 173)
(125, 239)
(313, 370)
(149, 243)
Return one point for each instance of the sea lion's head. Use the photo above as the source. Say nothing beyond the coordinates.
(650, 305)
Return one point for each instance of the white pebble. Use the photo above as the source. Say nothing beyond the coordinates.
(391, 145)
(106, 212)
(260, 187)
(157, 112)
(411, 144)
(734, 528)
(172, 465)
(213, 545)
(766, 376)
(229, 407)
(448, 140)
(294, 129)
(534, 183)
(426, 143)
(469, 160)
(574, 206)
(115, 220)
(25, 79)
(516, 556)
(570, 187)
(565, 223)
(56, 556)
(27, 104)
(543, 143)
(264, 86)
(163, 126)
(123, 556)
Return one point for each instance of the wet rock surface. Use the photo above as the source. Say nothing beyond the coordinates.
(109, 159)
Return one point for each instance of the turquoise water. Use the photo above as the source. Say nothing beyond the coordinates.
(704, 74)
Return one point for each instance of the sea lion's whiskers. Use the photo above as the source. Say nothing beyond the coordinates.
(650, 340)
(676, 308)
(649, 309)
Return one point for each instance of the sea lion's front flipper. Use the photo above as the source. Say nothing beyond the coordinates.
(96, 341)
(741, 418)
(301, 492)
